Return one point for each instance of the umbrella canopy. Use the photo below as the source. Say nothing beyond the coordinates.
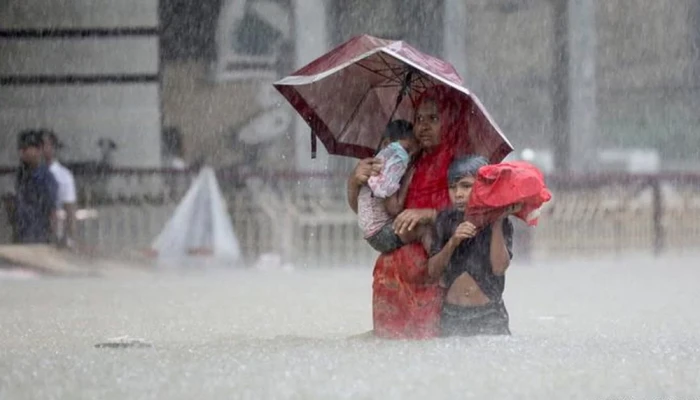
(348, 96)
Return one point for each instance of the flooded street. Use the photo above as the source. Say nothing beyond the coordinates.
(580, 330)
(311, 133)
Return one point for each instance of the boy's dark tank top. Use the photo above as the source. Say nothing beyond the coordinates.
(473, 255)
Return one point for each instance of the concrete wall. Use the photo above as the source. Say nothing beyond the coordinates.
(81, 115)
(649, 92)
(647, 63)
(79, 56)
(23, 14)
(317, 26)
(206, 112)
(509, 65)
(647, 75)
(128, 113)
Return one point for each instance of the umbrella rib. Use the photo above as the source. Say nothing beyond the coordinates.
(353, 114)
(386, 85)
(378, 72)
(425, 81)
(397, 70)
(413, 101)
(399, 77)
(393, 69)
(417, 79)
(421, 79)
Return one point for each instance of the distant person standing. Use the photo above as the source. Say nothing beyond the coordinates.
(67, 197)
(36, 190)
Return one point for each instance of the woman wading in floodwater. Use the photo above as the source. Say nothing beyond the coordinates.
(406, 302)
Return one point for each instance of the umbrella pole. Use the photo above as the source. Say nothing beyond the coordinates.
(398, 101)
(405, 87)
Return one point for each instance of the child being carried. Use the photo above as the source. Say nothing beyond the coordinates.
(382, 198)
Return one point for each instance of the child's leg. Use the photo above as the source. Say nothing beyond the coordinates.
(385, 240)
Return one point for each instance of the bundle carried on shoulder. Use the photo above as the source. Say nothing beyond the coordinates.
(500, 186)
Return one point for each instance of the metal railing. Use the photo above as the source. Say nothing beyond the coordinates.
(305, 219)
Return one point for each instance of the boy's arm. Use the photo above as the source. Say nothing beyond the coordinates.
(447, 243)
(441, 250)
(500, 252)
(438, 262)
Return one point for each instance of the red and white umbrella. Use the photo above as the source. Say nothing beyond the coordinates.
(348, 95)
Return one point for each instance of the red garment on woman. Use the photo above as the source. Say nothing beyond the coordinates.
(501, 185)
(405, 304)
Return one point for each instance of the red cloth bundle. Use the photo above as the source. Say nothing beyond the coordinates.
(500, 186)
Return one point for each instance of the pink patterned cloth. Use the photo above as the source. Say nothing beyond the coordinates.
(370, 202)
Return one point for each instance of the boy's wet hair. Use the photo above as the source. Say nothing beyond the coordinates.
(465, 166)
(398, 129)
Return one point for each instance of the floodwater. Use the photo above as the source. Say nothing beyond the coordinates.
(615, 329)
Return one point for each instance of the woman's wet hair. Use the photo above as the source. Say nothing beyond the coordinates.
(398, 129)
(465, 166)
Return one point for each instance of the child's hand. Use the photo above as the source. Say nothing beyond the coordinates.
(365, 169)
(465, 230)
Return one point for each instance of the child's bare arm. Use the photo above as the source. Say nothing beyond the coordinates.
(438, 262)
(395, 204)
(405, 183)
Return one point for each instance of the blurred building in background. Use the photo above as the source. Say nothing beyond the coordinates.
(647, 68)
(176, 82)
(88, 70)
(219, 58)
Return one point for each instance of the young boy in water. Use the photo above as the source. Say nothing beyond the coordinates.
(382, 198)
(470, 262)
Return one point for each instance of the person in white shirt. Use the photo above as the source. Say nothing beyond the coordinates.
(66, 189)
